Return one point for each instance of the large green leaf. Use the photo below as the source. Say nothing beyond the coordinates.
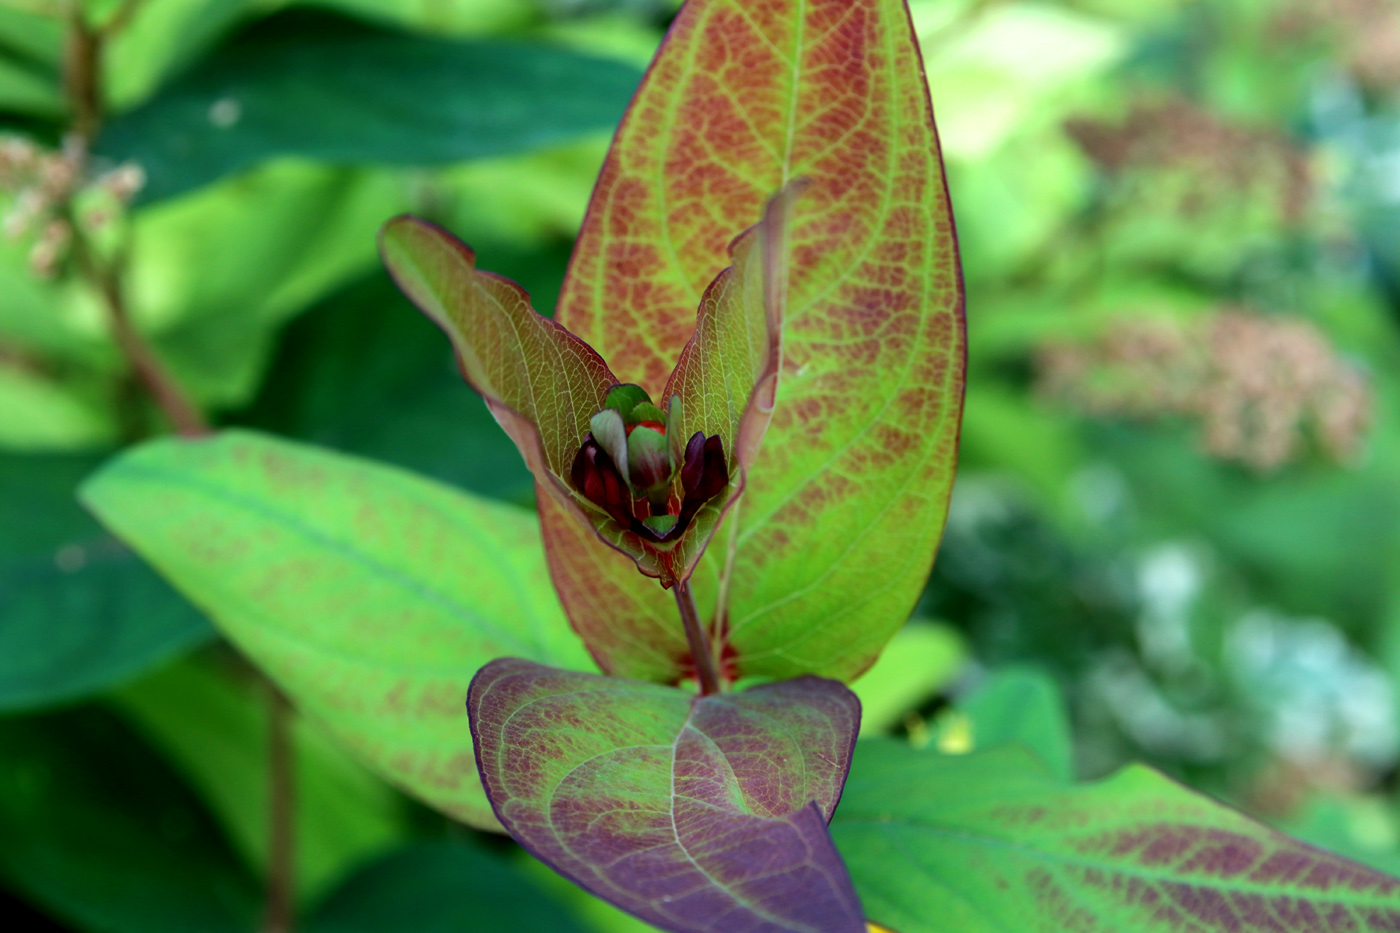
(991, 843)
(440, 887)
(371, 596)
(102, 832)
(844, 508)
(320, 86)
(78, 611)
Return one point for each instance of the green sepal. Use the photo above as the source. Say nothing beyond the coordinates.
(646, 411)
(625, 397)
(660, 523)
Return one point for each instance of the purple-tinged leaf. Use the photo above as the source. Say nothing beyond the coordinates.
(697, 814)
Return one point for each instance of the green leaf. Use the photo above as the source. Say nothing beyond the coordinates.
(30, 48)
(41, 413)
(214, 729)
(440, 887)
(695, 813)
(102, 832)
(920, 660)
(843, 510)
(320, 86)
(371, 596)
(1022, 706)
(991, 843)
(78, 611)
(214, 275)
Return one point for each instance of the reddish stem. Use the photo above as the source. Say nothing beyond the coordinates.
(705, 670)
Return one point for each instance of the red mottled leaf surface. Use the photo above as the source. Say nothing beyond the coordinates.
(695, 814)
(993, 843)
(844, 507)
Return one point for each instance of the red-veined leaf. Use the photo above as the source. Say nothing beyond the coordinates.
(994, 843)
(842, 512)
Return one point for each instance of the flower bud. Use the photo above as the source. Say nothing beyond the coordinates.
(705, 473)
(648, 458)
(596, 476)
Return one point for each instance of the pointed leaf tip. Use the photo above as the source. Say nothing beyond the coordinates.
(543, 384)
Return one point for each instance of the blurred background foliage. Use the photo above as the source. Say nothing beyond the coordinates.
(1175, 536)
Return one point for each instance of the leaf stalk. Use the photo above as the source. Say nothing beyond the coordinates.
(705, 668)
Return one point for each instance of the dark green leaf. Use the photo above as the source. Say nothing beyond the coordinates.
(100, 831)
(316, 85)
(440, 887)
(78, 611)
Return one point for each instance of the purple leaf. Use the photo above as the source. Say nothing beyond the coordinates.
(696, 814)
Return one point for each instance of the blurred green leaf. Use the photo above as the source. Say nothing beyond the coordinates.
(1014, 67)
(440, 887)
(1022, 706)
(41, 413)
(102, 833)
(370, 595)
(78, 611)
(161, 37)
(216, 273)
(214, 729)
(1366, 828)
(29, 63)
(919, 661)
(325, 87)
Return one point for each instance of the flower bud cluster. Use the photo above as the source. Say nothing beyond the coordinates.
(38, 186)
(629, 465)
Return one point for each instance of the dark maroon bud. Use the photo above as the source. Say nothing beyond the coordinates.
(705, 473)
(597, 478)
(693, 469)
(576, 472)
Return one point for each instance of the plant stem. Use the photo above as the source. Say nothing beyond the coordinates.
(82, 81)
(279, 909)
(699, 642)
(82, 77)
(162, 387)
